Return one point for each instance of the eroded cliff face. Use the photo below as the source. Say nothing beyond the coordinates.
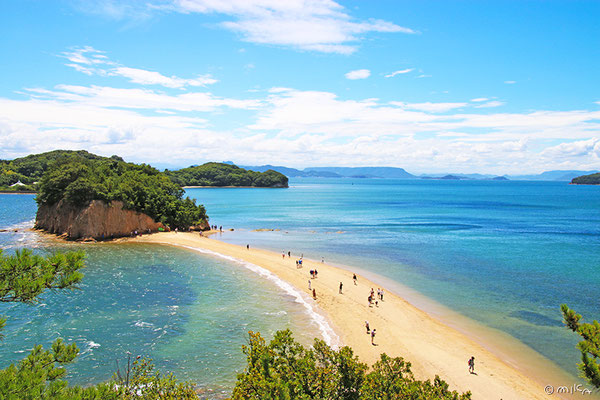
(97, 220)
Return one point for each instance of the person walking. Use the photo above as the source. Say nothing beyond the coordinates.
(309, 285)
(341, 285)
(354, 278)
(472, 365)
(314, 294)
(367, 326)
(373, 337)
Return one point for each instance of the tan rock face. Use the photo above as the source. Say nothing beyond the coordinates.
(98, 220)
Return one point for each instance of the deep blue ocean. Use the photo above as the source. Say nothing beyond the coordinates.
(503, 253)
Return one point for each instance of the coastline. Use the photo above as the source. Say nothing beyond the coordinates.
(432, 345)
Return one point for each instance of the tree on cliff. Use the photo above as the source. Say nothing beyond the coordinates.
(284, 369)
(141, 188)
(589, 346)
(23, 278)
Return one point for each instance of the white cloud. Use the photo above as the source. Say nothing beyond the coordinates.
(358, 74)
(490, 104)
(402, 71)
(316, 25)
(144, 77)
(94, 62)
(429, 107)
(510, 82)
(479, 99)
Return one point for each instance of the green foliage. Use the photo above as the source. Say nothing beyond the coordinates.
(141, 381)
(141, 188)
(284, 369)
(592, 179)
(30, 169)
(219, 174)
(24, 276)
(589, 346)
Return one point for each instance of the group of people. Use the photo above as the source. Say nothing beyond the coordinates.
(371, 297)
(215, 228)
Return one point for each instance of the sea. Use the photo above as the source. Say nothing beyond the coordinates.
(502, 254)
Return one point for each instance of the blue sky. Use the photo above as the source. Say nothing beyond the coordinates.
(430, 86)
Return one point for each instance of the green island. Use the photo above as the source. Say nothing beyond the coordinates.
(220, 174)
(592, 179)
(24, 174)
(76, 181)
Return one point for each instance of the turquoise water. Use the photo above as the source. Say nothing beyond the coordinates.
(189, 312)
(505, 254)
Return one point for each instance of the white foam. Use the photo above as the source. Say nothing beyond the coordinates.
(143, 324)
(327, 332)
(93, 344)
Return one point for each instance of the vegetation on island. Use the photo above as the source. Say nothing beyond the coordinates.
(23, 174)
(141, 188)
(592, 179)
(589, 346)
(220, 174)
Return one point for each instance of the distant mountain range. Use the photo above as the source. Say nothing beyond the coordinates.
(400, 173)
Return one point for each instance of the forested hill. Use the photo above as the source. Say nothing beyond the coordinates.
(29, 170)
(592, 179)
(220, 174)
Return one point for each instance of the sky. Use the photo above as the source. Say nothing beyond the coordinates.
(498, 87)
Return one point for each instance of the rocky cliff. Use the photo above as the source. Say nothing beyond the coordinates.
(98, 220)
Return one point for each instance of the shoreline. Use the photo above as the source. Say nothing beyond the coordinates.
(431, 344)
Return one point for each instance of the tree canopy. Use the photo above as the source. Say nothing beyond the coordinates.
(29, 170)
(589, 346)
(141, 188)
(284, 369)
(592, 179)
(220, 174)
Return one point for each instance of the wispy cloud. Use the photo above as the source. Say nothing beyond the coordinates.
(94, 62)
(510, 82)
(490, 104)
(479, 99)
(402, 71)
(429, 107)
(358, 74)
(314, 25)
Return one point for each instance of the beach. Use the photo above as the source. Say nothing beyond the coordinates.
(432, 347)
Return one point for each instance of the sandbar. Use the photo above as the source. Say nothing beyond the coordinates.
(432, 347)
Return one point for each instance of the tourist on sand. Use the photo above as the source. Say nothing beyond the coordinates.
(370, 301)
(373, 336)
(472, 365)
(247, 247)
(316, 272)
(296, 263)
(381, 294)
(354, 278)
(314, 294)
(367, 326)
(322, 259)
(289, 254)
(283, 254)
(341, 285)
(312, 274)
(309, 284)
